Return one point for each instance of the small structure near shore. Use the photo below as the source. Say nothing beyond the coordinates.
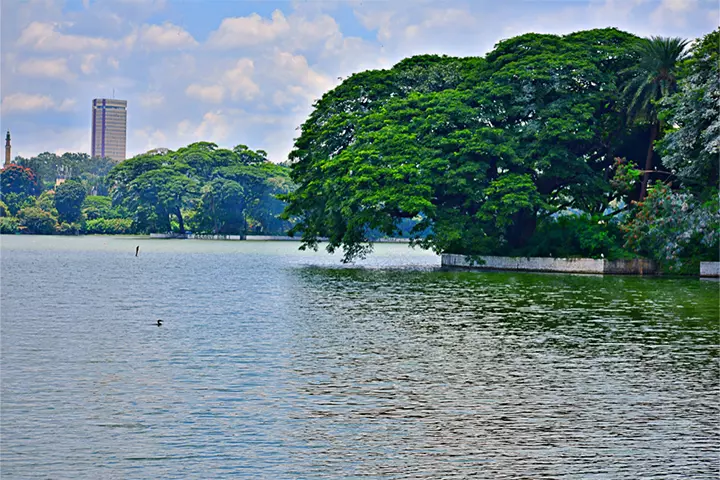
(639, 266)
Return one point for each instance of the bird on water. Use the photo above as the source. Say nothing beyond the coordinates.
(159, 323)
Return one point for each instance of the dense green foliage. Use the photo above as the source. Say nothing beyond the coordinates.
(219, 191)
(652, 78)
(672, 226)
(79, 166)
(484, 153)
(691, 150)
(69, 197)
(36, 221)
(200, 187)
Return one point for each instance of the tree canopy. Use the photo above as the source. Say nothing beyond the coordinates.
(223, 190)
(480, 152)
(478, 157)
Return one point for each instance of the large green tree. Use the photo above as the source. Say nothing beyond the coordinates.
(220, 190)
(35, 221)
(18, 186)
(165, 189)
(478, 159)
(18, 179)
(69, 197)
(653, 77)
(691, 147)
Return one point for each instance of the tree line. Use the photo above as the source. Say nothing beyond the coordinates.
(200, 187)
(597, 143)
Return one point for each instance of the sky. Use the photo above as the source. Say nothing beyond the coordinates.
(247, 72)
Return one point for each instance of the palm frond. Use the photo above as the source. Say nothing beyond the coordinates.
(654, 74)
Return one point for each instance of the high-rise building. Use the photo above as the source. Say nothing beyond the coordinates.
(109, 128)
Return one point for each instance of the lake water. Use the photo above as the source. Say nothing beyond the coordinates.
(274, 363)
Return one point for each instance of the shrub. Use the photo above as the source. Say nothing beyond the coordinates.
(69, 197)
(46, 201)
(675, 229)
(96, 206)
(109, 226)
(16, 202)
(573, 235)
(69, 228)
(36, 221)
(8, 225)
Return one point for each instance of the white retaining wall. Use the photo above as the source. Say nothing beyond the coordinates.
(216, 237)
(545, 264)
(710, 269)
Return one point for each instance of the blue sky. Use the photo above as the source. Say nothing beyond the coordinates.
(235, 71)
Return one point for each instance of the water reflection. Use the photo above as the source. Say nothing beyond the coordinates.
(514, 374)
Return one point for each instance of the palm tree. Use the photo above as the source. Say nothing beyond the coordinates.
(652, 78)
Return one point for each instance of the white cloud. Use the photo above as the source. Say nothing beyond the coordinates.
(213, 127)
(247, 31)
(66, 105)
(150, 138)
(45, 37)
(673, 12)
(152, 100)
(439, 19)
(113, 62)
(50, 68)
(295, 32)
(239, 81)
(23, 102)
(87, 66)
(295, 69)
(161, 37)
(206, 93)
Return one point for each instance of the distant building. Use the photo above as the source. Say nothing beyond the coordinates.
(109, 128)
(62, 175)
(8, 148)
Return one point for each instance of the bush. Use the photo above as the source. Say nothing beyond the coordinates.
(576, 236)
(109, 226)
(69, 229)
(16, 202)
(675, 229)
(46, 201)
(8, 225)
(36, 221)
(96, 206)
(69, 197)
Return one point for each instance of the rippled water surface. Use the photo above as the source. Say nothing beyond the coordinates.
(274, 363)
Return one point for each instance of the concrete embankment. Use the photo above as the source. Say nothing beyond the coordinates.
(561, 265)
(710, 269)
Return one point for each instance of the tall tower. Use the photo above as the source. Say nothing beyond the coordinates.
(109, 128)
(8, 149)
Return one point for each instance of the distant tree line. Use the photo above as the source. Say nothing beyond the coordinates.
(200, 187)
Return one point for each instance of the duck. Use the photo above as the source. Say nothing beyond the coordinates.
(159, 323)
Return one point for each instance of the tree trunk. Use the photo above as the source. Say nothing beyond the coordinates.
(180, 220)
(216, 229)
(649, 160)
